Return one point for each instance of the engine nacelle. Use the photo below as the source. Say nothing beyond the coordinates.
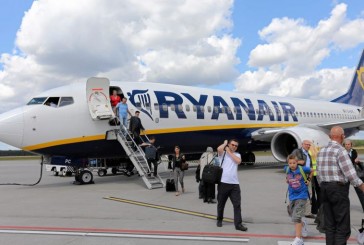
(285, 141)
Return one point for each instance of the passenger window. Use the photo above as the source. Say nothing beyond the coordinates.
(173, 107)
(194, 108)
(209, 108)
(180, 107)
(187, 107)
(216, 109)
(66, 101)
(156, 106)
(37, 101)
(164, 107)
(202, 108)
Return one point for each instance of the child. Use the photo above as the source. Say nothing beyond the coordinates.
(298, 194)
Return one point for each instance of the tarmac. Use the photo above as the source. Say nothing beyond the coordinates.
(120, 210)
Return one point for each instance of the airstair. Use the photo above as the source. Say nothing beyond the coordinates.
(137, 157)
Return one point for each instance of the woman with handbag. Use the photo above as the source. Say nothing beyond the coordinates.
(177, 161)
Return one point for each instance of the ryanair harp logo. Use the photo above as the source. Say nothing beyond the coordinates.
(360, 73)
(141, 100)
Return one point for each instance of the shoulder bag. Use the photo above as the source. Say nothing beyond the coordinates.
(211, 173)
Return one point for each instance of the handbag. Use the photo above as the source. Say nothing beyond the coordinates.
(359, 169)
(212, 174)
(184, 166)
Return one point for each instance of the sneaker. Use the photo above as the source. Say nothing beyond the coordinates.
(297, 241)
(304, 228)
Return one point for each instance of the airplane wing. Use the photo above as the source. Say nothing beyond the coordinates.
(284, 140)
(266, 134)
(358, 123)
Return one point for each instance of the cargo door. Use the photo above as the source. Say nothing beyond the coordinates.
(98, 99)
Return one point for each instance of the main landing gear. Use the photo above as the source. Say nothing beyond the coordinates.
(248, 158)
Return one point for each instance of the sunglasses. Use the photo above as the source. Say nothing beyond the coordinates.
(233, 145)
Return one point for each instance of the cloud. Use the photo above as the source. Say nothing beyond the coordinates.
(287, 64)
(61, 42)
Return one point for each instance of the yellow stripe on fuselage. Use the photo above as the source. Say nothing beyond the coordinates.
(156, 131)
(64, 142)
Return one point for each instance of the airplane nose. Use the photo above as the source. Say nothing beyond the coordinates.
(11, 127)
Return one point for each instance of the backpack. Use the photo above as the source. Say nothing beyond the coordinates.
(301, 171)
(151, 152)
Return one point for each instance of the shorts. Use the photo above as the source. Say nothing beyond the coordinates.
(298, 209)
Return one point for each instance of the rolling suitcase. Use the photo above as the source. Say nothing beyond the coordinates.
(170, 184)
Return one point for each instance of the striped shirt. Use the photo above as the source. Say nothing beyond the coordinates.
(334, 164)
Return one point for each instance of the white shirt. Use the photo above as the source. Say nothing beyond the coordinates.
(230, 169)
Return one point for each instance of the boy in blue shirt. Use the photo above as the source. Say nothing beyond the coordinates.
(298, 194)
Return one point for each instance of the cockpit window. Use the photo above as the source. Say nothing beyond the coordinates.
(52, 101)
(66, 101)
(37, 101)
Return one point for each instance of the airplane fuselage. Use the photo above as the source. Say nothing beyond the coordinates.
(192, 118)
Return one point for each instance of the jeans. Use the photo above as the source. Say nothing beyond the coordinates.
(123, 121)
(335, 198)
(178, 174)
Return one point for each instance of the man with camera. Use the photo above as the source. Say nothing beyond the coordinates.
(229, 185)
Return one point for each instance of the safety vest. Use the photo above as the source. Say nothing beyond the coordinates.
(314, 163)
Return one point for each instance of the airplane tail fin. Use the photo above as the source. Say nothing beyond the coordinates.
(355, 94)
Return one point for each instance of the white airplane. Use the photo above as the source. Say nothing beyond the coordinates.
(73, 120)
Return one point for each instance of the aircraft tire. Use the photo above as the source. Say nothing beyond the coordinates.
(249, 158)
(86, 177)
(102, 172)
(55, 173)
(64, 172)
(114, 170)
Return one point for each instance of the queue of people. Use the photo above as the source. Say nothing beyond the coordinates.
(318, 179)
(330, 171)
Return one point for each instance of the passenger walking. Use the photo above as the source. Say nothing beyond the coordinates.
(353, 154)
(151, 154)
(316, 191)
(297, 181)
(229, 185)
(207, 189)
(335, 171)
(304, 159)
(114, 99)
(122, 107)
(177, 161)
(135, 127)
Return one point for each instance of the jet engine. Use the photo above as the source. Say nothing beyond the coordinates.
(285, 141)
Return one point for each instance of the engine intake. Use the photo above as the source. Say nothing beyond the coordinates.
(285, 141)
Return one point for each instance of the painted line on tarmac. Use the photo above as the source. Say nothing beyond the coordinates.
(176, 210)
(120, 235)
(154, 233)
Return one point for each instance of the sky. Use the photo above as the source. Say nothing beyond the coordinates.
(303, 48)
